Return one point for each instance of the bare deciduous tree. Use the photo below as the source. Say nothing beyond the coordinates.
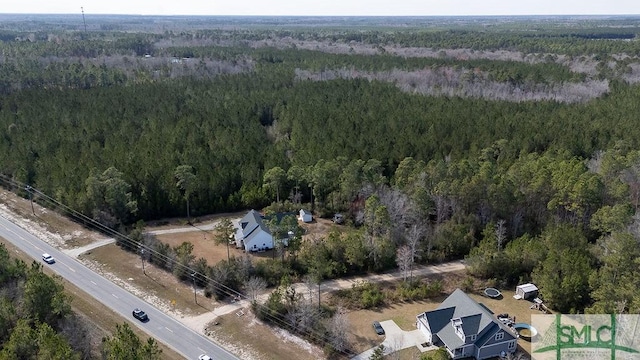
(254, 286)
(245, 266)
(469, 83)
(302, 317)
(501, 233)
(400, 210)
(442, 207)
(634, 227)
(404, 259)
(338, 328)
(310, 283)
(414, 235)
(631, 177)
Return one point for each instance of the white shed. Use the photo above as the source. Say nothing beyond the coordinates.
(526, 291)
(305, 216)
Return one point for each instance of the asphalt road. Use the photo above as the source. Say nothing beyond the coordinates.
(160, 326)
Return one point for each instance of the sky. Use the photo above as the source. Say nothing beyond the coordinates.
(325, 7)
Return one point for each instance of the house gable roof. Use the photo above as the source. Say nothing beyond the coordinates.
(251, 222)
(250, 227)
(471, 324)
(253, 234)
(439, 318)
(489, 333)
(476, 320)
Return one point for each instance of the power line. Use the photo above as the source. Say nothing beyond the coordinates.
(276, 317)
(83, 21)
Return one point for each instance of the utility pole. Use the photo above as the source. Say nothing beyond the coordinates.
(193, 276)
(83, 21)
(228, 254)
(142, 257)
(29, 189)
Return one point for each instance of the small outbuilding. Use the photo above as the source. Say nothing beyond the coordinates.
(338, 219)
(526, 291)
(305, 216)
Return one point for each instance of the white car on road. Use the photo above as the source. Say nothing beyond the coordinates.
(48, 258)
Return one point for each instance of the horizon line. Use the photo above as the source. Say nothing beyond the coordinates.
(333, 15)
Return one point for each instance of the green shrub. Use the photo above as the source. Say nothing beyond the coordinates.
(416, 290)
(371, 297)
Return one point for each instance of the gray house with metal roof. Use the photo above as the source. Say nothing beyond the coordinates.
(467, 329)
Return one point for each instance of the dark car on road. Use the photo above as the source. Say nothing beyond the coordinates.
(378, 328)
(140, 315)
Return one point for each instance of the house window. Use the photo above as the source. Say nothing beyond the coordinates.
(512, 345)
(499, 336)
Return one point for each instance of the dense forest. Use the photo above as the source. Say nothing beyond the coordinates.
(514, 145)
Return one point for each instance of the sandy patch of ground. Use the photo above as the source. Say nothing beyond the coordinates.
(264, 342)
(48, 225)
(203, 245)
(318, 228)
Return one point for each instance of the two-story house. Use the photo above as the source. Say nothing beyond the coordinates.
(466, 328)
(252, 234)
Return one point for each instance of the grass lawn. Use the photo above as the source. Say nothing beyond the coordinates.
(203, 245)
(160, 287)
(403, 314)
